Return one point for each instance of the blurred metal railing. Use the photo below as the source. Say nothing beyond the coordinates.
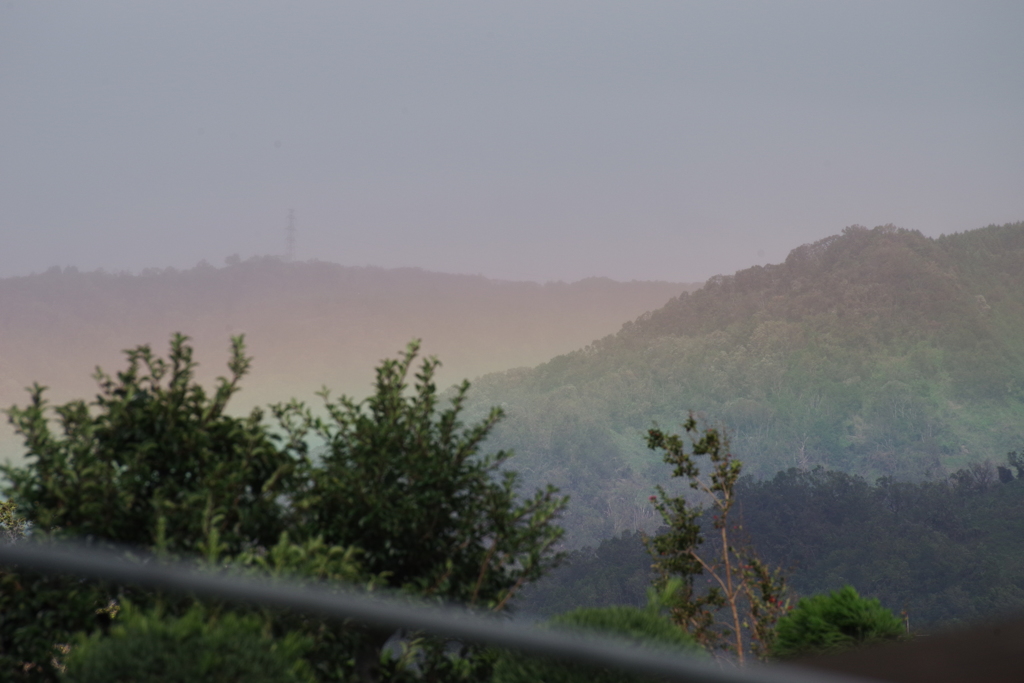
(394, 613)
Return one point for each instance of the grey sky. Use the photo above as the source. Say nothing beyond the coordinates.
(521, 140)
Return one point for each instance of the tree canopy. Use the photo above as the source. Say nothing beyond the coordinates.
(154, 455)
(392, 492)
(405, 482)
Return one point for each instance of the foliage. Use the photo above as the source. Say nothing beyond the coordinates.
(944, 553)
(642, 626)
(832, 622)
(405, 482)
(38, 615)
(157, 464)
(146, 646)
(330, 643)
(753, 594)
(868, 352)
(155, 453)
(12, 526)
(37, 612)
(401, 498)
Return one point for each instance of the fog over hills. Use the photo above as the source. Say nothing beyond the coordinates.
(306, 324)
(878, 352)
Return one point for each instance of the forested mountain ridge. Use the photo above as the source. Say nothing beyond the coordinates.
(877, 288)
(878, 352)
(307, 324)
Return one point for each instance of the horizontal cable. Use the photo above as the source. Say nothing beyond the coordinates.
(394, 614)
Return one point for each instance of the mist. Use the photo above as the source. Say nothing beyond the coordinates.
(521, 141)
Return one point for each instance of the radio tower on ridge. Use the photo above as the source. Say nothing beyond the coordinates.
(291, 235)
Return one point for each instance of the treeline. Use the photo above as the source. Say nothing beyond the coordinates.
(944, 552)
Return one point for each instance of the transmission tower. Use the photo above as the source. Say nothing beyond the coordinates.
(291, 235)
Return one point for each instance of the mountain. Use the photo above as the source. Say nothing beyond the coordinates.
(877, 352)
(306, 324)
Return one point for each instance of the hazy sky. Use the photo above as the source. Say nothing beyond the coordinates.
(520, 140)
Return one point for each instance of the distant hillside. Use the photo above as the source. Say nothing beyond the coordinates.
(875, 352)
(946, 552)
(306, 324)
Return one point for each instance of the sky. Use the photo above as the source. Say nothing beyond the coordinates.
(525, 140)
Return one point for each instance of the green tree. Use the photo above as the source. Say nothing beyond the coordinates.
(404, 480)
(832, 622)
(752, 594)
(400, 497)
(153, 453)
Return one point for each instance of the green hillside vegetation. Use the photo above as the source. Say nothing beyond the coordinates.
(945, 552)
(876, 352)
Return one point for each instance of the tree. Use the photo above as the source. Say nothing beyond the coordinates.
(752, 593)
(403, 480)
(401, 498)
(832, 622)
(154, 462)
(155, 456)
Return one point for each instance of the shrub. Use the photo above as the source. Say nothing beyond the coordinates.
(833, 622)
(644, 626)
(145, 646)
